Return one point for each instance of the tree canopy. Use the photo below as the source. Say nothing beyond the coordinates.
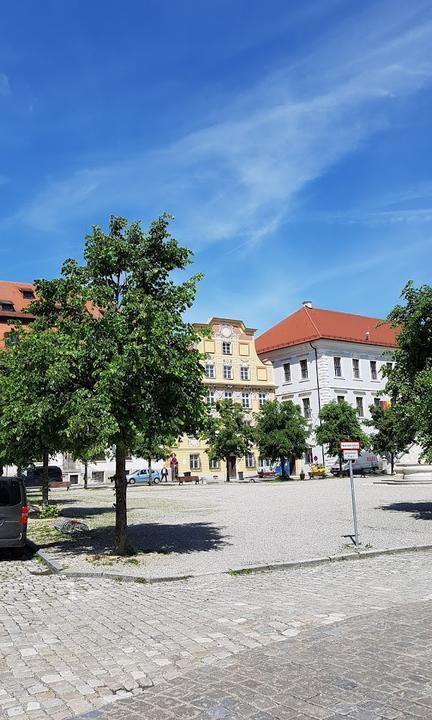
(409, 382)
(339, 421)
(393, 433)
(136, 362)
(228, 433)
(281, 431)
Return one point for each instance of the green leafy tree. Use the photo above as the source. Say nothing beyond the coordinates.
(136, 357)
(228, 434)
(281, 432)
(34, 399)
(409, 382)
(339, 421)
(394, 432)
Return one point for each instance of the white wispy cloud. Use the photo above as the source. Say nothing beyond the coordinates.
(239, 177)
(4, 84)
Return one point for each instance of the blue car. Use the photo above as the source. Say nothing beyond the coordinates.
(142, 476)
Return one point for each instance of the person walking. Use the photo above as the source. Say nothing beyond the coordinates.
(174, 467)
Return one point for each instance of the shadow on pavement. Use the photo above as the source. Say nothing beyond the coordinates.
(146, 538)
(419, 510)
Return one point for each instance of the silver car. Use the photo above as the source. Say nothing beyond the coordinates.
(13, 513)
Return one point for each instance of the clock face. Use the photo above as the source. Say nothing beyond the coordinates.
(226, 331)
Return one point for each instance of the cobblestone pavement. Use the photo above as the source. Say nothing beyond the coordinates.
(188, 530)
(69, 645)
(378, 666)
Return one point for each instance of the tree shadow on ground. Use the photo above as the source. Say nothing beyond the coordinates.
(419, 510)
(146, 538)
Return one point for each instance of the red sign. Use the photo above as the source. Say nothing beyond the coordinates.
(349, 445)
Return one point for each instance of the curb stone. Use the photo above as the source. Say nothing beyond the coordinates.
(57, 569)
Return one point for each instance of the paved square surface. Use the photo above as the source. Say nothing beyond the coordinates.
(70, 646)
(197, 529)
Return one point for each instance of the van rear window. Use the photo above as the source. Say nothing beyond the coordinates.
(10, 493)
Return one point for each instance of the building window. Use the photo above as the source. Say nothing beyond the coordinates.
(28, 294)
(98, 477)
(377, 401)
(226, 348)
(307, 412)
(6, 306)
(194, 462)
(228, 394)
(373, 369)
(356, 368)
(227, 372)
(249, 460)
(287, 372)
(262, 398)
(308, 456)
(340, 398)
(214, 464)
(209, 370)
(304, 369)
(245, 400)
(337, 367)
(210, 400)
(359, 404)
(244, 373)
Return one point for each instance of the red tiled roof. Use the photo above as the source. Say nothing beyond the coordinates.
(309, 324)
(10, 292)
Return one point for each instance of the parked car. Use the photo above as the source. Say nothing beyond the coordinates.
(142, 476)
(365, 464)
(317, 471)
(33, 475)
(13, 513)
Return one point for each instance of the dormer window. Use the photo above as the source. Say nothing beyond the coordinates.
(6, 306)
(27, 294)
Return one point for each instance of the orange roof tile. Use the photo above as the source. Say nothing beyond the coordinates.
(11, 292)
(309, 324)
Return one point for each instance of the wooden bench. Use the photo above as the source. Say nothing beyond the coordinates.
(188, 478)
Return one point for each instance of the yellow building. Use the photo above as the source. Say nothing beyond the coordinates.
(232, 371)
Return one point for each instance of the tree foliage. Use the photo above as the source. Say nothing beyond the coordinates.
(409, 383)
(228, 433)
(281, 431)
(393, 433)
(35, 394)
(135, 357)
(339, 421)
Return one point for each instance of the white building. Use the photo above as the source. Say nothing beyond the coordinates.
(321, 356)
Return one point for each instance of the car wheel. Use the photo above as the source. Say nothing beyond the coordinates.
(156, 480)
(132, 481)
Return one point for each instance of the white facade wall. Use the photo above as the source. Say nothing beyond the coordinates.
(322, 385)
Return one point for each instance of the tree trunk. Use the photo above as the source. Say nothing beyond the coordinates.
(121, 540)
(85, 475)
(283, 469)
(150, 471)
(340, 465)
(227, 463)
(392, 462)
(45, 487)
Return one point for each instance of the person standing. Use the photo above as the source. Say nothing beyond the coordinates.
(164, 474)
(174, 467)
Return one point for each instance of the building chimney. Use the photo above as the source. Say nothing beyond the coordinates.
(307, 303)
(367, 335)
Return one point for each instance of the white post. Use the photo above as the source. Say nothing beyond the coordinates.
(354, 506)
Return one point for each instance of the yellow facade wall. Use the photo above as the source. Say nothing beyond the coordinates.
(232, 369)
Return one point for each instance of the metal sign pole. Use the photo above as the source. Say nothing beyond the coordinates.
(354, 506)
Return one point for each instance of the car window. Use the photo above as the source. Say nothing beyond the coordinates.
(10, 493)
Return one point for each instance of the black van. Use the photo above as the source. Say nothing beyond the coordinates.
(13, 513)
(33, 475)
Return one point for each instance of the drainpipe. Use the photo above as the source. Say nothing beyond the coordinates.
(319, 395)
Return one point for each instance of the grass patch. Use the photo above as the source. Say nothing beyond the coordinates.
(243, 571)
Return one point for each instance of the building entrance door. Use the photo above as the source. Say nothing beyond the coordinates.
(232, 467)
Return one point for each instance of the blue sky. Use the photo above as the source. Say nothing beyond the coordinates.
(291, 141)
